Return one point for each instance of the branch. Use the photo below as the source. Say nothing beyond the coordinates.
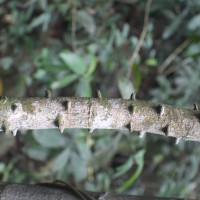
(57, 191)
(98, 113)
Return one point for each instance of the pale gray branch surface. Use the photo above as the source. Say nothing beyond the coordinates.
(98, 113)
(54, 192)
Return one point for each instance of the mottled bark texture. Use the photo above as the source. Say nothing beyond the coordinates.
(58, 192)
(98, 113)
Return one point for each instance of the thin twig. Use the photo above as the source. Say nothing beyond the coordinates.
(141, 40)
(74, 18)
(173, 56)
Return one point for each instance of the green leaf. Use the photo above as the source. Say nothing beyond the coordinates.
(169, 31)
(87, 21)
(50, 138)
(194, 23)
(63, 82)
(152, 62)
(37, 153)
(42, 19)
(139, 159)
(74, 62)
(124, 168)
(125, 87)
(92, 66)
(60, 162)
(83, 88)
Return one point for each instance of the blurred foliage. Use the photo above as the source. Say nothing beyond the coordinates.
(74, 47)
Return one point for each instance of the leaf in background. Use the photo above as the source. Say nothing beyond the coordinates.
(6, 62)
(92, 66)
(103, 156)
(125, 87)
(87, 21)
(83, 89)
(42, 19)
(78, 167)
(60, 162)
(63, 82)
(121, 170)
(36, 152)
(74, 62)
(152, 62)
(174, 26)
(50, 138)
(194, 23)
(139, 159)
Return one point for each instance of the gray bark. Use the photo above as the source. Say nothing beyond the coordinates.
(60, 192)
(98, 113)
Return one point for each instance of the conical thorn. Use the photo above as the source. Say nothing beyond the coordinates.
(48, 93)
(14, 107)
(132, 109)
(165, 130)
(99, 94)
(14, 133)
(61, 128)
(91, 130)
(67, 104)
(129, 127)
(177, 141)
(132, 97)
(196, 106)
(142, 134)
(162, 110)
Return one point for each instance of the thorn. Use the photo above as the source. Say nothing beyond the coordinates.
(14, 107)
(177, 141)
(196, 106)
(132, 97)
(59, 122)
(99, 94)
(67, 104)
(142, 134)
(4, 99)
(165, 130)
(14, 132)
(129, 127)
(132, 109)
(91, 130)
(48, 93)
(5, 128)
(162, 110)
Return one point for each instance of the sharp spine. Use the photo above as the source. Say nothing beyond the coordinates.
(59, 122)
(196, 106)
(129, 127)
(177, 141)
(48, 93)
(99, 95)
(142, 134)
(132, 97)
(14, 133)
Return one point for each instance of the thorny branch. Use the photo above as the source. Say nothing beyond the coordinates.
(98, 113)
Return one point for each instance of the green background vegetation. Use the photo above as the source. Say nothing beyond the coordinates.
(75, 47)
